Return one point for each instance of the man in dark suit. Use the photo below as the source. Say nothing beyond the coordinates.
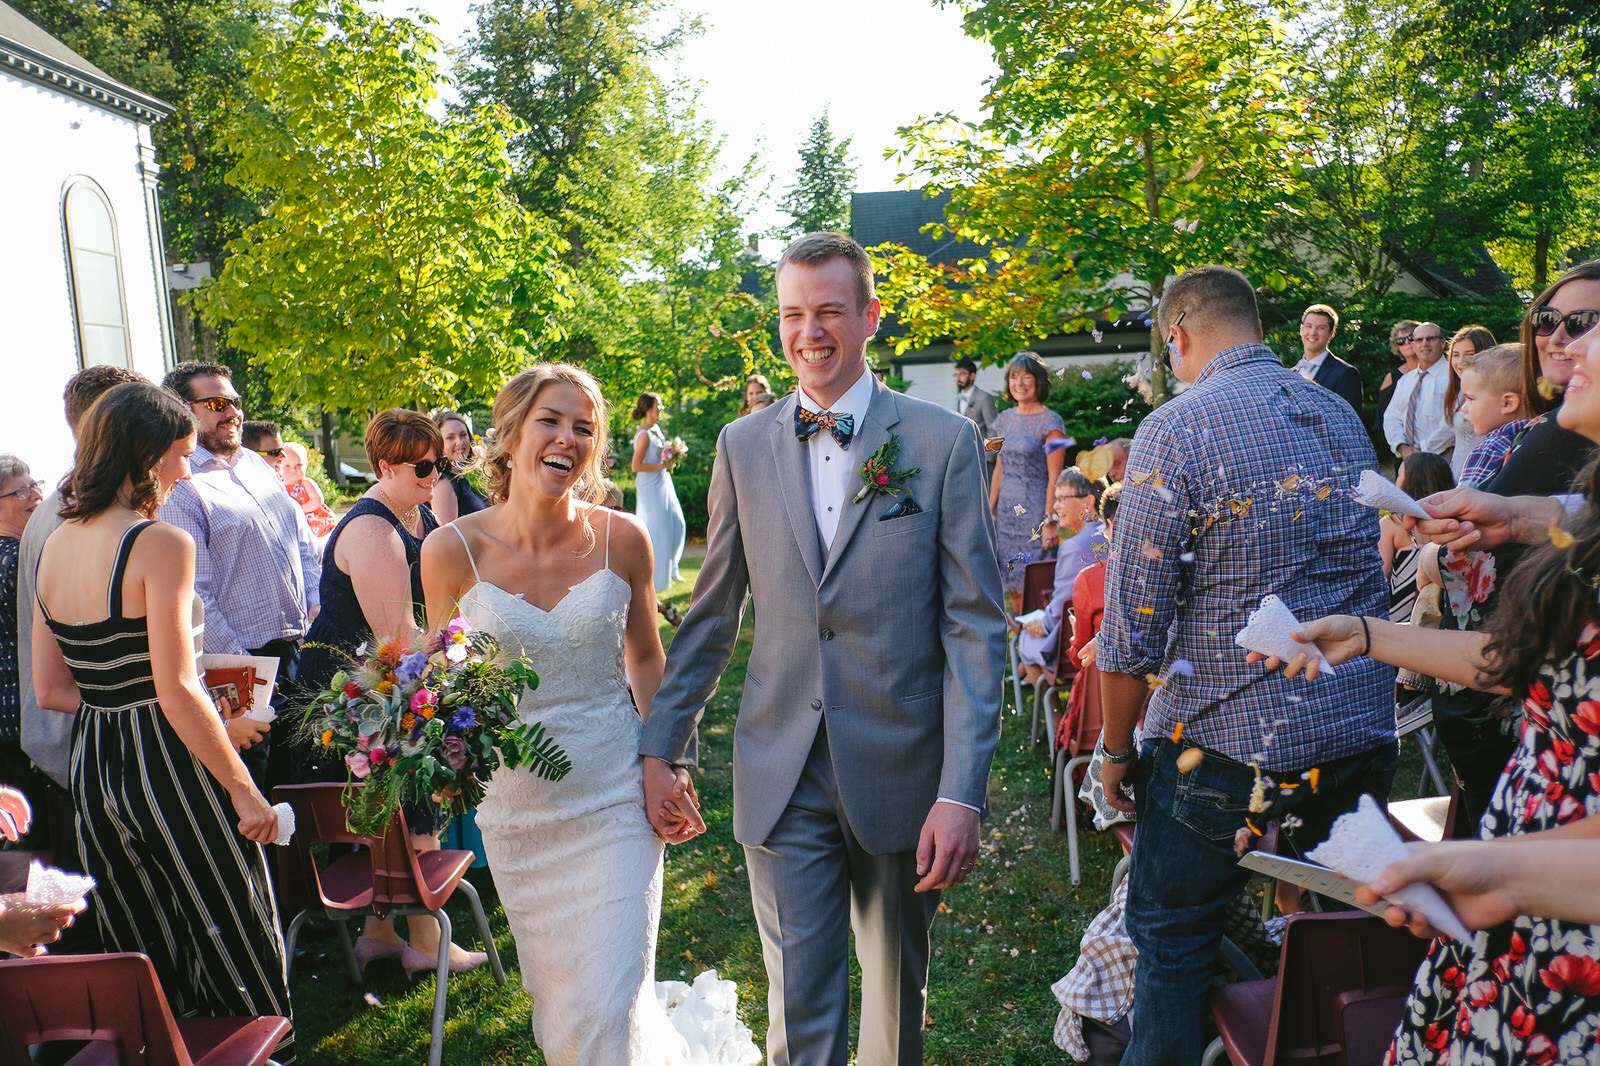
(977, 405)
(1317, 327)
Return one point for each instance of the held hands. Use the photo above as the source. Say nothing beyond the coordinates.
(15, 814)
(948, 847)
(1340, 637)
(670, 801)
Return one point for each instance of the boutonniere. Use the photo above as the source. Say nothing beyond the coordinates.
(879, 475)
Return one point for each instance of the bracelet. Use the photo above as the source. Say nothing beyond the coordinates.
(1366, 634)
(1117, 760)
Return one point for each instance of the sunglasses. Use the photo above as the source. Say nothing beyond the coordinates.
(217, 404)
(1407, 339)
(427, 467)
(275, 453)
(1172, 333)
(1545, 320)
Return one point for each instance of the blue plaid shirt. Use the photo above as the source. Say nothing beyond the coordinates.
(1239, 488)
(1490, 453)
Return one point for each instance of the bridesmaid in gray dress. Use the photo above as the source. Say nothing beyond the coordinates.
(1024, 474)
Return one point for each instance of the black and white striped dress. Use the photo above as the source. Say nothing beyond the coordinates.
(174, 879)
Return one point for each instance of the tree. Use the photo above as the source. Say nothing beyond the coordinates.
(394, 265)
(624, 168)
(1123, 144)
(819, 199)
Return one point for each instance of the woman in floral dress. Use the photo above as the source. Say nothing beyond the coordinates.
(1527, 990)
(1025, 474)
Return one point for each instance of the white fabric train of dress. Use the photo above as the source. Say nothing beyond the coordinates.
(576, 862)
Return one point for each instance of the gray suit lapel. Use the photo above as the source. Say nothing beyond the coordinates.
(794, 482)
(882, 414)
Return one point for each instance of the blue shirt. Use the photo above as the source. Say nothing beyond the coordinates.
(1490, 453)
(256, 566)
(1238, 488)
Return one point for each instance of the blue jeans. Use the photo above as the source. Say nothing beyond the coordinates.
(1185, 873)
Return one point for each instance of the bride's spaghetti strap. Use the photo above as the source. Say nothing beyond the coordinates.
(475, 575)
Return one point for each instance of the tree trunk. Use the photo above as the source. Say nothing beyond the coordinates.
(330, 460)
(1152, 204)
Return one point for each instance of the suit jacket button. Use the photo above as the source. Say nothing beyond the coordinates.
(827, 634)
(816, 705)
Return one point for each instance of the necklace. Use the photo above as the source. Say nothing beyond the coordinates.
(408, 518)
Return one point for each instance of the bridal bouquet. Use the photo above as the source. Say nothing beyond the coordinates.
(429, 718)
(674, 449)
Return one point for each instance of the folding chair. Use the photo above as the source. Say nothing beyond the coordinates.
(1051, 685)
(1341, 987)
(1416, 719)
(1038, 579)
(115, 1003)
(1430, 818)
(1081, 731)
(388, 877)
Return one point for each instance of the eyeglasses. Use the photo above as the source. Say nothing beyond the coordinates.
(1545, 320)
(428, 466)
(217, 404)
(1435, 337)
(1407, 339)
(34, 488)
(275, 453)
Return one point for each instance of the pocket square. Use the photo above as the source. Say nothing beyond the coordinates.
(904, 509)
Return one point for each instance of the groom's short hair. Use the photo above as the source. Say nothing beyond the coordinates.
(816, 248)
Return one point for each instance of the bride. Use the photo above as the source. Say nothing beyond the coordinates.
(569, 585)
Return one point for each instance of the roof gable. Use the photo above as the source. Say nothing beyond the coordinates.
(26, 50)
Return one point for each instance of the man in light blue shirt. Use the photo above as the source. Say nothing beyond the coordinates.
(256, 567)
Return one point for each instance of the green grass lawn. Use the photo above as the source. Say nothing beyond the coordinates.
(1000, 940)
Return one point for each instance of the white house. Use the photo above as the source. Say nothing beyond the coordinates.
(83, 279)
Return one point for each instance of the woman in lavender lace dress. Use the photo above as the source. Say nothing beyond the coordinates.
(1019, 494)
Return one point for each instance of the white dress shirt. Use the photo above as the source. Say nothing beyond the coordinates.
(1434, 434)
(1308, 367)
(964, 399)
(832, 468)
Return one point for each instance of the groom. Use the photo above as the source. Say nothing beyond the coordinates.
(870, 711)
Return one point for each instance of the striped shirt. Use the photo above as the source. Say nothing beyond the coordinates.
(110, 659)
(1239, 488)
(256, 565)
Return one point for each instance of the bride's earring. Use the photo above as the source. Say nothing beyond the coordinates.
(508, 464)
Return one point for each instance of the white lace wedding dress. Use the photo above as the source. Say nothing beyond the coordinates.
(576, 863)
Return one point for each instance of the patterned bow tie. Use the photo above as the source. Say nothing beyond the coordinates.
(806, 424)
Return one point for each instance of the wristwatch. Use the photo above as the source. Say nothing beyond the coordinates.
(1117, 760)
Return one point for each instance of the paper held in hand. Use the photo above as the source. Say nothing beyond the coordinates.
(1268, 632)
(1374, 490)
(1362, 843)
(266, 676)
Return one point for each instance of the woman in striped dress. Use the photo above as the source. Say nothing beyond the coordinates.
(169, 823)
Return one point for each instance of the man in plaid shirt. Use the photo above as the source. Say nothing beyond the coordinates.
(1237, 489)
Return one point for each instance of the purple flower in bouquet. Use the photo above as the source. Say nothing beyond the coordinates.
(411, 667)
(465, 718)
(360, 765)
(455, 752)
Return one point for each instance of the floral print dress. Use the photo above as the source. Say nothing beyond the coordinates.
(1527, 991)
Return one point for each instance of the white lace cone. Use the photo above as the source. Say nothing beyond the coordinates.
(1362, 843)
(1374, 490)
(1269, 632)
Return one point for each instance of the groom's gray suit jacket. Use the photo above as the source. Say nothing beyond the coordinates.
(895, 636)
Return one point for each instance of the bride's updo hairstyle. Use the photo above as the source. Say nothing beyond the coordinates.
(511, 407)
(648, 401)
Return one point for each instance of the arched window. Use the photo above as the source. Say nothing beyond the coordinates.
(96, 271)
